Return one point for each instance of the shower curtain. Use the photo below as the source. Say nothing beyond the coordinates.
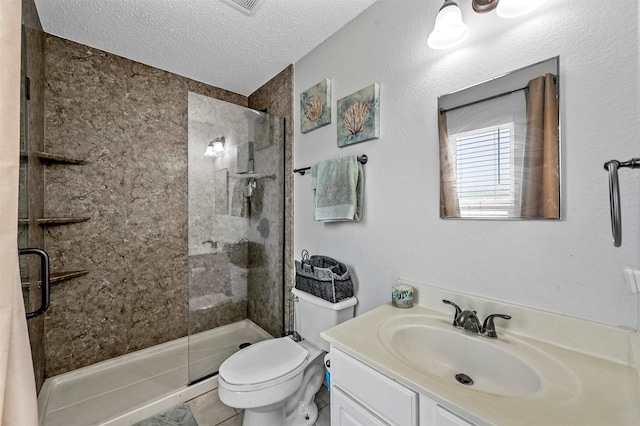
(541, 181)
(17, 384)
(449, 203)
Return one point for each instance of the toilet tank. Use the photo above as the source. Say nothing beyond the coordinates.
(314, 315)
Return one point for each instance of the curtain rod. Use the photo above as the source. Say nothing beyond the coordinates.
(442, 110)
(362, 159)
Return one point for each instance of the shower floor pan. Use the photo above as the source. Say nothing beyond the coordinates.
(132, 387)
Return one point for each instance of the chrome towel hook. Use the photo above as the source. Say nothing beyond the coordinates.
(612, 167)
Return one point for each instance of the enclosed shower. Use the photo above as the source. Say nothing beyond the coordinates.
(164, 261)
(235, 275)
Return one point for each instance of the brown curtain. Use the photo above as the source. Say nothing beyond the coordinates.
(541, 190)
(449, 205)
(17, 385)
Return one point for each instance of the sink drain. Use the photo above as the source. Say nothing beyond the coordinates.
(464, 379)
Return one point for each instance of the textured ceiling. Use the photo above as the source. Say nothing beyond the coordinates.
(206, 40)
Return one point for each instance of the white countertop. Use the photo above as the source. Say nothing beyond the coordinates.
(597, 388)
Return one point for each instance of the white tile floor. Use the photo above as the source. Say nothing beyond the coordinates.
(208, 410)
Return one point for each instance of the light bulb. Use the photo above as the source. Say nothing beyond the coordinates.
(210, 151)
(218, 147)
(449, 29)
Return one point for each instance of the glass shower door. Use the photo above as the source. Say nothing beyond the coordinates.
(236, 223)
(31, 192)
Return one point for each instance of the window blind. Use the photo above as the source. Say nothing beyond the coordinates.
(484, 171)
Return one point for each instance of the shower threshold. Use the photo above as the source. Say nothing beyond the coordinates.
(124, 390)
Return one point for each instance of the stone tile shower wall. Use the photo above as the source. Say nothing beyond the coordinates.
(265, 234)
(265, 287)
(129, 121)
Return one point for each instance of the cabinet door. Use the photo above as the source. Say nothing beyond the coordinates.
(347, 412)
(385, 397)
(434, 414)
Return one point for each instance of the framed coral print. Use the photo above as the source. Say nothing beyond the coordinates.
(359, 116)
(315, 106)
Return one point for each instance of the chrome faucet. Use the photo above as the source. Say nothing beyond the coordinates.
(468, 320)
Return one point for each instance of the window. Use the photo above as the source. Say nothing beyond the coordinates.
(484, 171)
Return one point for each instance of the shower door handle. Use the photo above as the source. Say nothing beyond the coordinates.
(44, 278)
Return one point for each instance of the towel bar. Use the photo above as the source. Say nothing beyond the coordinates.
(612, 167)
(362, 159)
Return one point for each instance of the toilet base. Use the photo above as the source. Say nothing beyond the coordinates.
(305, 418)
(277, 416)
(301, 408)
(264, 416)
(298, 410)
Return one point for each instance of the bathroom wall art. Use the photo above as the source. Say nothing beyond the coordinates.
(315, 106)
(359, 116)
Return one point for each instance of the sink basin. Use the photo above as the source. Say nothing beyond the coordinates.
(503, 366)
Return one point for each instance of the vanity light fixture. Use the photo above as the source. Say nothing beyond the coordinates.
(484, 6)
(449, 29)
(215, 147)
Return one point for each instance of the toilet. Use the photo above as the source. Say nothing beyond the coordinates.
(275, 380)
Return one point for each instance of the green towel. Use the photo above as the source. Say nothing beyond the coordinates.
(338, 188)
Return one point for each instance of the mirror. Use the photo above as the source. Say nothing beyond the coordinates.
(500, 147)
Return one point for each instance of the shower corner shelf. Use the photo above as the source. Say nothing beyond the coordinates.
(246, 175)
(57, 277)
(46, 157)
(61, 220)
(46, 221)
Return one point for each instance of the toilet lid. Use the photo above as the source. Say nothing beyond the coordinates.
(263, 361)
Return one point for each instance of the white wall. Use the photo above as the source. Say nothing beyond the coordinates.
(568, 266)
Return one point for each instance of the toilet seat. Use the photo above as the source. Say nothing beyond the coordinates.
(262, 365)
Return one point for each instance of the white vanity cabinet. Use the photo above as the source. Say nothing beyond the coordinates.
(393, 366)
(345, 411)
(362, 396)
(434, 414)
